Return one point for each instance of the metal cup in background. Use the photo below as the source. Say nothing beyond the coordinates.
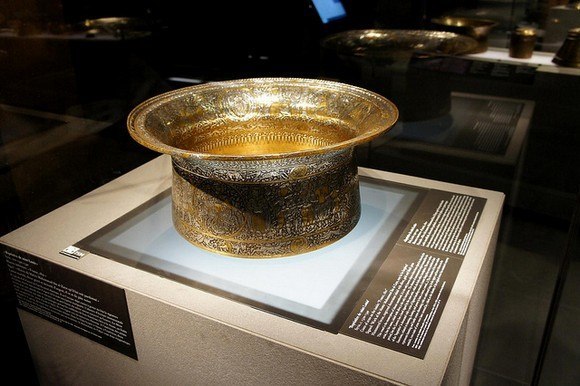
(569, 53)
(522, 43)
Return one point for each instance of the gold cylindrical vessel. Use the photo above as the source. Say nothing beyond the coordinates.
(522, 43)
(263, 167)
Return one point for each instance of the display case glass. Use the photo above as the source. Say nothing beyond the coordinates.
(72, 71)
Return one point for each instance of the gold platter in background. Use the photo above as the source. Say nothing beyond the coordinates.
(385, 42)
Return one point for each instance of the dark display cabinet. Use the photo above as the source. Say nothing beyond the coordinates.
(71, 72)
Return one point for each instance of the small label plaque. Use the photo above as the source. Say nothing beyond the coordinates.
(73, 252)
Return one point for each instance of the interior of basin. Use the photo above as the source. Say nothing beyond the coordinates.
(262, 135)
(260, 118)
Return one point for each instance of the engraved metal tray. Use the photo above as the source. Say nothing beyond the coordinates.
(385, 43)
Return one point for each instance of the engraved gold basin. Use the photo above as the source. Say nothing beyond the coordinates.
(478, 29)
(263, 167)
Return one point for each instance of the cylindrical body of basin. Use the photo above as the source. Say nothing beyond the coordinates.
(289, 207)
(263, 167)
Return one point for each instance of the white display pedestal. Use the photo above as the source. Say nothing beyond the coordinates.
(185, 335)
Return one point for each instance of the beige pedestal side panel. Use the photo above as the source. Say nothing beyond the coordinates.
(461, 363)
(187, 336)
(179, 348)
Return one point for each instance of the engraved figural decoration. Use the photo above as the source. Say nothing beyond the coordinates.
(263, 167)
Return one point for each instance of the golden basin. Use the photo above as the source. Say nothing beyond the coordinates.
(478, 29)
(376, 43)
(263, 167)
(395, 63)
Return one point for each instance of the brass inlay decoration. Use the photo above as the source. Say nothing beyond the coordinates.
(263, 167)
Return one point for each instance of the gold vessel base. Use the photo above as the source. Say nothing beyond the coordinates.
(264, 220)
